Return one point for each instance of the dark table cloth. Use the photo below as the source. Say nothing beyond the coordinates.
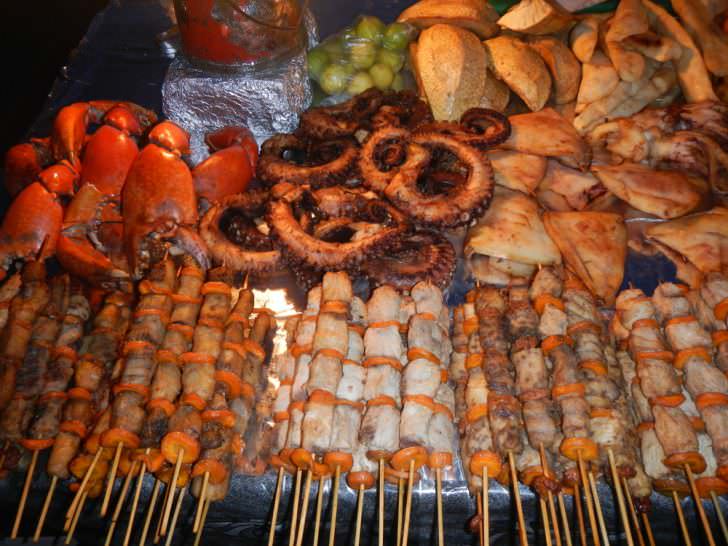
(120, 58)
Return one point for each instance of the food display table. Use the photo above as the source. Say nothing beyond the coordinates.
(122, 58)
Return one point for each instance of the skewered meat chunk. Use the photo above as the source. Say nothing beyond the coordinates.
(351, 384)
(317, 424)
(505, 421)
(716, 425)
(531, 370)
(421, 377)
(345, 432)
(540, 424)
(441, 431)
(674, 430)
(24, 309)
(325, 373)
(331, 333)
(380, 428)
(476, 392)
(414, 423)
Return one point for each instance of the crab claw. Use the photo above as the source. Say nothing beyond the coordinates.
(31, 226)
(190, 242)
(107, 158)
(24, 162)
(90, 212)
(158, 194)
(170, 136)
(234, 136)
(69, 127)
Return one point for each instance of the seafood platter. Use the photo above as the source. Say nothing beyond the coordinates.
(479, 295)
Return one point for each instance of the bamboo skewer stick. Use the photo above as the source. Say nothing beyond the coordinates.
(294, 515)
(319, 505)
(564, 518)
(201, 502)
(84, 483)
(632, 512)
(579, 515)
(175, 515)
(550, 495)
(620, 498)
(44, 511)
(400, 509)
(111, 478)
(589, 500)
(150, 512)
(479, 509)
(440, 522)
(198, 536)
(486, 509)
(408, 503)
(517, 496)
(276, 504)
(699, 506)
(24, 495)
(120, 503)
(359, 509)
(304, 508)
(681, 519)
(545, 521)
(380, 498)
(721, 517)
(75, 518)
(648, 529)
(334, 505)
(598, 509)
(171, 487)
(135, 503)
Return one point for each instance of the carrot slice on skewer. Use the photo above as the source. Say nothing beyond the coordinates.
(693, 459)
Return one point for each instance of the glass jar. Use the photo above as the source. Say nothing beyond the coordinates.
(239, 32)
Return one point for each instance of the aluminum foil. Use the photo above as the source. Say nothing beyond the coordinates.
(267, 99)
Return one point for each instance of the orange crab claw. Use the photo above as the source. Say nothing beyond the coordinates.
(224, 173)
(31, 225)
(69, 131)
(231, 136)
(69, 127)
(158, 195)
(24, 162)
(91, 220)
(61, 178)
(107, 158)
(170, 136)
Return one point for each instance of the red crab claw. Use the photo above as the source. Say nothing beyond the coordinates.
(231, 136)
(24, 162)
(170, 136)
(110, 151)
(90, 242)
(69, 127)
(31, 226)
(158, 196)
(230, 168)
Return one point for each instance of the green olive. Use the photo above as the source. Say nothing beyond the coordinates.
(371, 28)
(317, 59)
(334, 48)
(359, 83)
(335, 78)
(397, 36)
(362, 53)
(382, 76)
(398, 82)
(393, 59)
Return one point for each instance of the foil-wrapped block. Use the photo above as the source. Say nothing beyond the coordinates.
(267, 99)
